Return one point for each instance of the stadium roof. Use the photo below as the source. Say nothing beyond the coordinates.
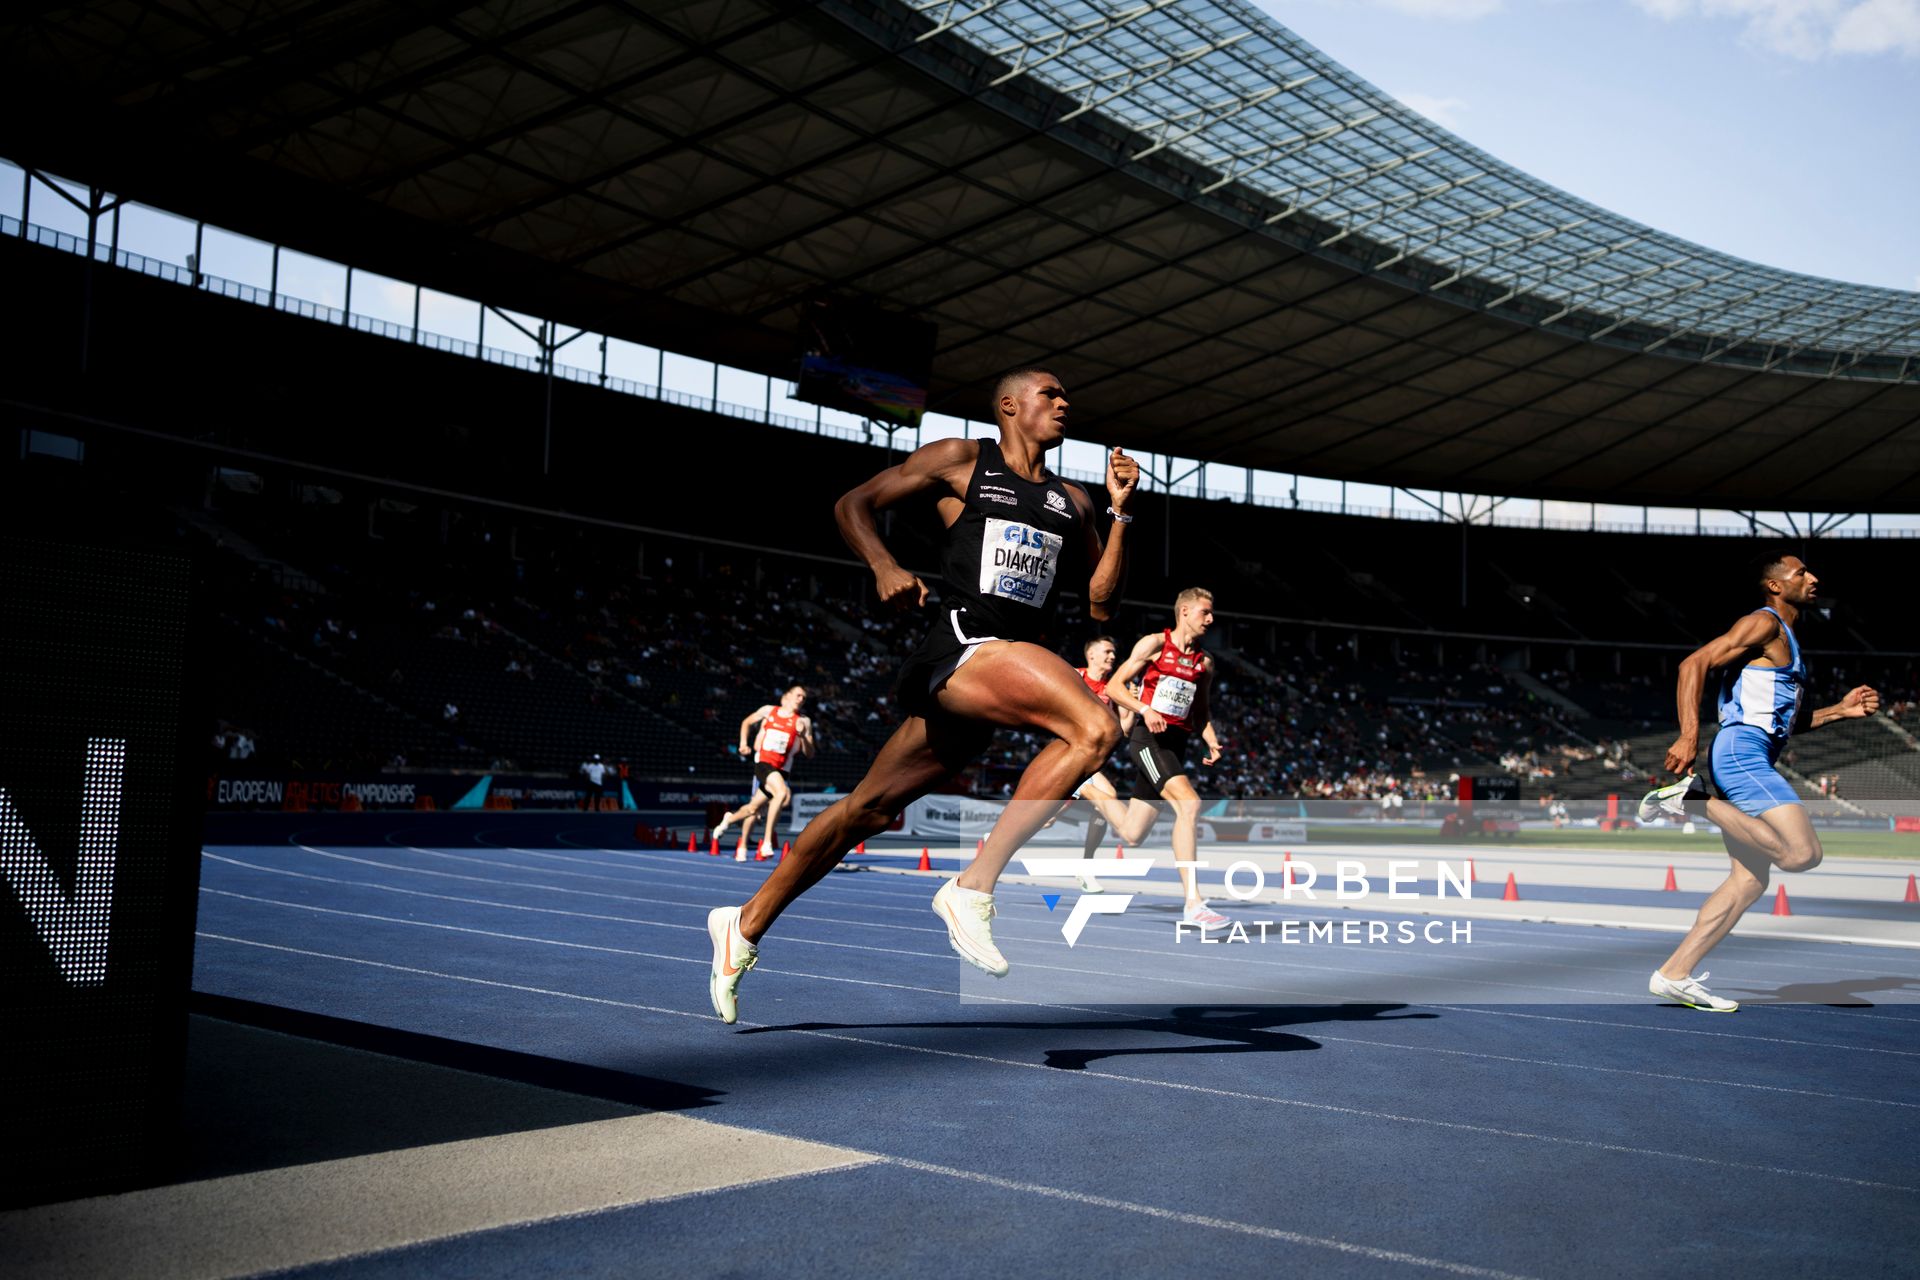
(1231, 247)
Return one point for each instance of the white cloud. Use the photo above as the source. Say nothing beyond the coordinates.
(1445, 112)
(1810, 29)
(1878, 26)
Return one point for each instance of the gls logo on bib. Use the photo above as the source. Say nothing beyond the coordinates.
(1173, 696)
(1017, 561)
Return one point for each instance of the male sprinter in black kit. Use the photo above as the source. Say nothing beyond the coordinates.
(1015, 531)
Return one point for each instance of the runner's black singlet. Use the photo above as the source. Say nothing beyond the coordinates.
(1005, 558)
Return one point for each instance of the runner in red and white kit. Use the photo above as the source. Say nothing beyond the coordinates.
(1175, 675)
(1102, 655)
(784, 733)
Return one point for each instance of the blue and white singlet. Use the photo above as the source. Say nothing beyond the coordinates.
(1765, 698)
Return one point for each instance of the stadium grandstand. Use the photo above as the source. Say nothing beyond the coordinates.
(461, 347)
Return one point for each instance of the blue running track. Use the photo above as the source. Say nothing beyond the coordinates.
(1547, 1139)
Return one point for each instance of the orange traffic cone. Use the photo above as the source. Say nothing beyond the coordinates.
(1780, 904)
(693, 843)
(1471, 877)
(1513, 890)
(1671, 886)
(783, 850)
(979, 846)
(861, 847)
(1120, 851)
(1913, 889)
(926, 863)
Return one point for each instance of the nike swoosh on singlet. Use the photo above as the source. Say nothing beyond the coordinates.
(994, 473)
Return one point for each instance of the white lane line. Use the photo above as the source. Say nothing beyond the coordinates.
(1048, 934)
(654, 955)
(1203, 1220)
(1680, 1031)
(1289, 965)
(1144, 1019)
(678, 864)
(1115, 1077)
(1294, 964)
(1101, 973)
(1210, 985)
(704, 875)
(1481, 924)
(1616, 1071)
(521, 906)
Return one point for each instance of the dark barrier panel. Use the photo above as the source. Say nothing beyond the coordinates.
(99, 839)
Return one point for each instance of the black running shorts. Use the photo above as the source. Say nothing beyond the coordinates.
(1156, 758)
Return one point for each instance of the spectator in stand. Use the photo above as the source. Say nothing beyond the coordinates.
(595, 772)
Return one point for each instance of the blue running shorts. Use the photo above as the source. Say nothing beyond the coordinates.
(1743, 770)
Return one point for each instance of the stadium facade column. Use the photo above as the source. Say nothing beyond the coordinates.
(86, 300)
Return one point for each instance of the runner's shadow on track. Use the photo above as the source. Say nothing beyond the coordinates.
(1221, 1029)
(1847, 994)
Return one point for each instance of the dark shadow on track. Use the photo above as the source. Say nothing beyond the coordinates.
(1847, 994)
(604, 1083)
(1221, 1029)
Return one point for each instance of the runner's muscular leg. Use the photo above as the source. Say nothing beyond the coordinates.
(1135, 818)
(1025, 686)
(1744, 886)
(1794, 827)
(1784, 833)
(919, 756)
(1186, 824)
(1097, 788)
(1130, 819)
(778, 795)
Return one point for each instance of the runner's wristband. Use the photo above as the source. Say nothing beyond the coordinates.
(1121, 517)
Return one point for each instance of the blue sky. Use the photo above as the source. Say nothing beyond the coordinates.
(1783, 131)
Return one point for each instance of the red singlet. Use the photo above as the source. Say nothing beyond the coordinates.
(777, 736)
(1099, 687)
(1172, 679)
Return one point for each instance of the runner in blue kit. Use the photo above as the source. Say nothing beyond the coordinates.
(1762, 702)
(1017, 535)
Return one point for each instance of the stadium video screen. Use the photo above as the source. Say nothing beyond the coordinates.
(866, 361)
(99, 846)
